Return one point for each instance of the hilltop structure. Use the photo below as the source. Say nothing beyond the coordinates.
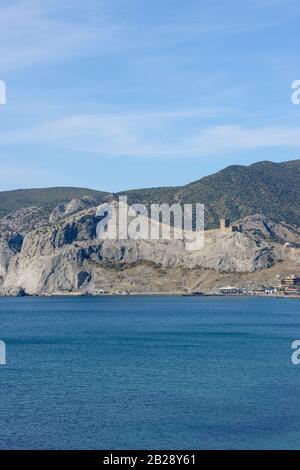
(226, 227)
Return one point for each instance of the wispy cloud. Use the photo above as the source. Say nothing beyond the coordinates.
(230, 139)
(34, 32)
(143, 79)
(153, 135)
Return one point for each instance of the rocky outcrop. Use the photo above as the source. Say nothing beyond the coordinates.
(38, 256)
(12, 292)
(67, 256)
(72, 207)
(259, 228)
(6, 254)
(23, 221)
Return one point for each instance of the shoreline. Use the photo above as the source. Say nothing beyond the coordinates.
(157, 294)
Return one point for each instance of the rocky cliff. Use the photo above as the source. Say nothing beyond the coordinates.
(61, 254)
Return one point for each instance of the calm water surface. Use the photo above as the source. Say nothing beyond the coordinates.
(149, 372)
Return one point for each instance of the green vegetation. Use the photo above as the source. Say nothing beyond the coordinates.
(47, 198)
(269, 188)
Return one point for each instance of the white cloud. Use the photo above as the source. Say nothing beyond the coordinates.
(160, 134)
(34, 32)
(220, 140)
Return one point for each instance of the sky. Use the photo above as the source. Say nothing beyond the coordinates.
(120, 94)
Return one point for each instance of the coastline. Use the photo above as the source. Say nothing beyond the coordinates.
(157, 294)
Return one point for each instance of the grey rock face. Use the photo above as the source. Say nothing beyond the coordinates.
(6, 254)
(72, 207)
(67, 256)
(23, 221)
(260, 228)
(12, 292)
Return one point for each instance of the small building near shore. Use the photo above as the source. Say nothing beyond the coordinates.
(271, 290)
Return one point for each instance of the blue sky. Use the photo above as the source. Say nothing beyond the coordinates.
(117, 94)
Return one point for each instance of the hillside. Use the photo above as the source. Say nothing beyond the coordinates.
(268, 188)
(49, 243)
(66, 256)
(46, 198)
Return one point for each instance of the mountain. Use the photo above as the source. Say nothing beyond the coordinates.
(67, 257)
(44, 198)
(268, 188)
(272, 189)
(49, 244)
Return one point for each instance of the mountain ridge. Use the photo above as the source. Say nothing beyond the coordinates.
(236, 191)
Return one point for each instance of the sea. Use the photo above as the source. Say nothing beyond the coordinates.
(149, 372)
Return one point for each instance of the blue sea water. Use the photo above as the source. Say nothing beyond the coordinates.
(149, 373)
